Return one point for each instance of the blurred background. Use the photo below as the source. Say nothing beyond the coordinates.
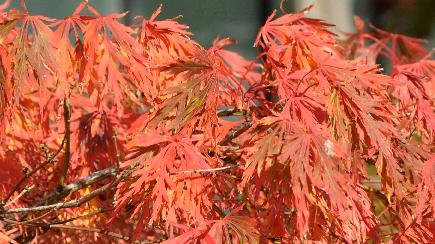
(241, 19)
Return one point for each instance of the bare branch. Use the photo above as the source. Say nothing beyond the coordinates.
(61, 193)
(47, 203)
(60, 205)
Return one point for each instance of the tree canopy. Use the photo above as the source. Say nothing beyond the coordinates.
(138, 133)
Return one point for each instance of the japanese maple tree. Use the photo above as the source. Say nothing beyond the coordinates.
(115, 133)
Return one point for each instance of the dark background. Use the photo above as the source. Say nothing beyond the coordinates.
(240, 19)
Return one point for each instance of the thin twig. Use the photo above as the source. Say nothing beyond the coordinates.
(30, 222)
(281, 6)
(14, 222)
(26, 189)
(372, 184)
(118, 155)
(410, 134)
(91, 229)
(205, 170)
(61, 193)
(98, 211)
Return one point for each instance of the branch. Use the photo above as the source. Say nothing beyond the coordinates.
(56, 206)
(53, 197)
(228, 111)
(31, 173)
(47, 202)
(67, 119)
(31, 222)
(373, 184)
(237, 131)
(98, 211)
(61, 193)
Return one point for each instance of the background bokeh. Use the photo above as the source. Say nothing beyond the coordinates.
(240, 19)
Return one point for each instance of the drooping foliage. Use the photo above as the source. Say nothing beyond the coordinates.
(138, 133)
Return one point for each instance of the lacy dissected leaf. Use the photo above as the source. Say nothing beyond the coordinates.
(114, 63)
(6, 28)
(313, 179)
(168, 181)
(413, 90)
(280, 29)
(236, 65)
(399, 49)
(94, 141)
(189, 98)
(35, 60)
(165, 34)
(292, 39)
(404, 49)
(426, 192)
(197, 66)
(188, 66)
(165, 42)
(202, 83)
(230, 229)
(70, 57)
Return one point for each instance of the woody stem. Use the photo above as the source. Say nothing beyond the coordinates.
(67, 119)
